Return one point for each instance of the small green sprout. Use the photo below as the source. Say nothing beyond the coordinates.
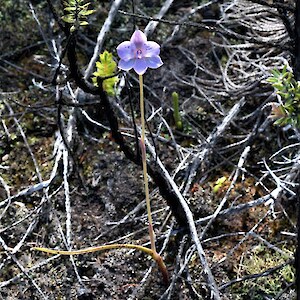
(288, 89)
(76, 12)
(106, 67)
(176, 112)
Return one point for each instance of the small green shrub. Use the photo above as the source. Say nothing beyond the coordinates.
(288, 90)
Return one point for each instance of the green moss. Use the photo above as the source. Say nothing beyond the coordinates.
(257, 261)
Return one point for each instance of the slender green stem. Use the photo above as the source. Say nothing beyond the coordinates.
(144, 161)
(155, 256)
(95, 249)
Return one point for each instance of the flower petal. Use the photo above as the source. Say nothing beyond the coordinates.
(126, 64)
(140, 66)
(126, 50)
(138, 39)
(154, 62)
(151, 49)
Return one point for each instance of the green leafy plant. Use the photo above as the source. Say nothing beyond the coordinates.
(76, 12)
(106, 67)
(288, 89)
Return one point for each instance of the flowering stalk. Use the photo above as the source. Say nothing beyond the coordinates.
(144, 162)
(141, 54)
(147, 56)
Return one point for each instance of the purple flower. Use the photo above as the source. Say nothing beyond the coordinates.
(139, 54)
